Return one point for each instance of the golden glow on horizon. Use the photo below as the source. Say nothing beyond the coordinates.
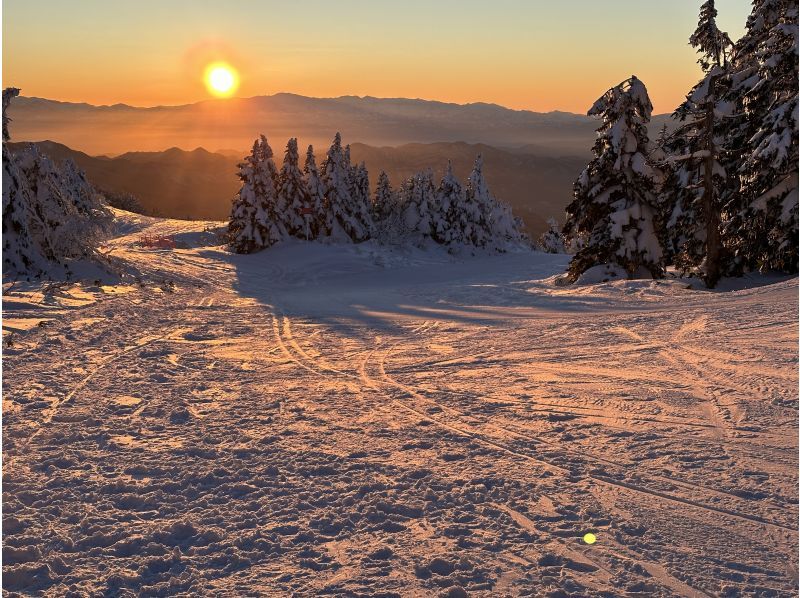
(221, 79)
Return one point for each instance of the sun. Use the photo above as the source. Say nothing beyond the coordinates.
(221, 79)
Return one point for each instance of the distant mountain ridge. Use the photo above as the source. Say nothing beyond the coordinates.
(199, 184)
(234, 123)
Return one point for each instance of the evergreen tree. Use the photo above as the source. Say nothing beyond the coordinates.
(8, 94)
(761, 231)
(292, 197)
(51, 215)
(387, 213)
(20, 254)
(385, 200)
(315, 193)
(346, 218)
(360, 191)
(552, 241)
(765, 212)
(254, 222)
(695, 187)
(476, 208)
(450, 199)
(419, 207)
(615, 201)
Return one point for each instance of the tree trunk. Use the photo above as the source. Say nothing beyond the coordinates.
(710, 208)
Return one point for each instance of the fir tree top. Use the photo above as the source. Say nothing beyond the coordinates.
(712, 43)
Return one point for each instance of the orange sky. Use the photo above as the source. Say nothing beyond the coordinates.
(536, 55)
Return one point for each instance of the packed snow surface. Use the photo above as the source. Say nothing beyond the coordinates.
(354, 420)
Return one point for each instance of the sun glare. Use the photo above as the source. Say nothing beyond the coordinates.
(221, 79)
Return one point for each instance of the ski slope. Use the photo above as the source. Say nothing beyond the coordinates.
(351, 420)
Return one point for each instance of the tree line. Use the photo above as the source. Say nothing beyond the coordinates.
(719, 195)
(335, 202)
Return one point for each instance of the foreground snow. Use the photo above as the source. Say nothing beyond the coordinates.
(351, 420)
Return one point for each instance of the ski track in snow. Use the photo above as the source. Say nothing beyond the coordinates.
(359, 421)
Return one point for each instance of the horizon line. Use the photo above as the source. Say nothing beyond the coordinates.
(289, 93)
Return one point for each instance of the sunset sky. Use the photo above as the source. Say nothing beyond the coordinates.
(537, 55)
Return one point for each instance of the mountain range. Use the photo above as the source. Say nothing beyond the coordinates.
(234, 123)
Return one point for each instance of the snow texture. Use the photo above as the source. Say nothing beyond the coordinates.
(361, 420)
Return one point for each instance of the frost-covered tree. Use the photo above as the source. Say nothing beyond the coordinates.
(21, 256)
(385, 199)
(552, 241)
(450, 199)
(476, 209)
(420, 209)
(763, 139)
(387, 214)
(360, 190)
(346, 218)
(254, 222)
(615, 202)
(505, 230)
(52, 215)
(292, 197)
(694, 189)
(315, 193)
(8, 94)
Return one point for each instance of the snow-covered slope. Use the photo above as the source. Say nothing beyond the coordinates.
(351, 420)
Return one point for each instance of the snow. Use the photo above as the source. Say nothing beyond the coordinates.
(362, 420)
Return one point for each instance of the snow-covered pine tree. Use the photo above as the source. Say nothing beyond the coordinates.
(315, 193)
(695, 182)
(345, 218)
(552, 241)
(476, 209)
(505, 230)
(419, 207)
(385, 199)
(361, 192)
(389, 224)
(763, 146)
(450, 199)
(615, 199)
(51, 211)
(254, 222)
(8, 94)
(292, 196)
(20, 255)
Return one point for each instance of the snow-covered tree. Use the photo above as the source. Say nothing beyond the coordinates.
(21, 256)
(360, 190)
(385, 198)
(420, 209)
(552, 241)
(695, 188)
(8, 94)
(387, 214)
(713, 44)
(315, 193)
(292, 197)
(476, 209)
(505, 230)
(450, 199)
(763, 141)
(254, 222)
(346, 218)
(615, 202)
